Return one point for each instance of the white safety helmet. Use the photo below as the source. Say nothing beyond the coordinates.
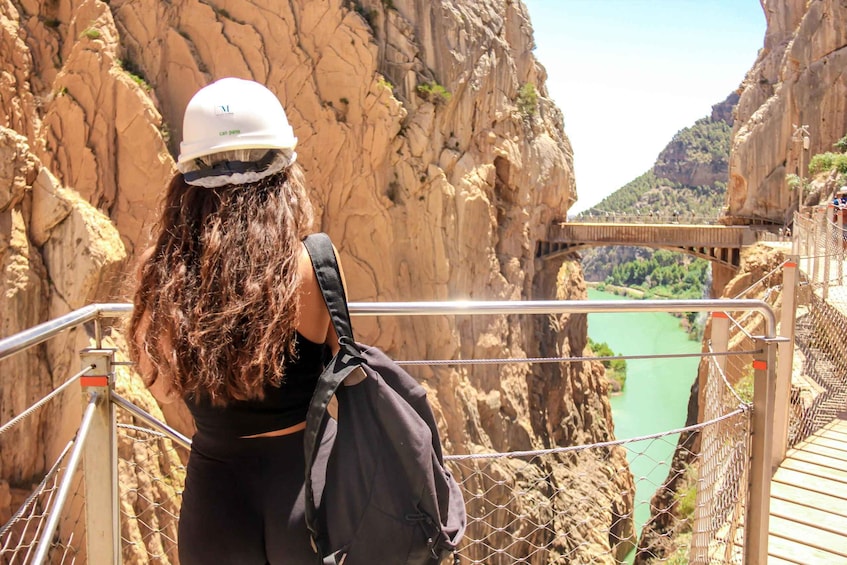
(234, 131)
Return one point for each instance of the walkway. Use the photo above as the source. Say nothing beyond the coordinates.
(808, 523)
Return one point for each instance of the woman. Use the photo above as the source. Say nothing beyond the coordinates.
(229, 316)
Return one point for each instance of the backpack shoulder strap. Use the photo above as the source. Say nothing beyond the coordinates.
(328, 274)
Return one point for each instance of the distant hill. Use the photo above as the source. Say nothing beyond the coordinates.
(689, 175)
(688, 179)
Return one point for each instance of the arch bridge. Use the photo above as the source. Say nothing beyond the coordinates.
(720, 244)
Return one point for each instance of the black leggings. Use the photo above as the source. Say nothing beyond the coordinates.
(244, 502)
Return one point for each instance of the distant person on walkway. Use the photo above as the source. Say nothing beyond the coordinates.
(841, 198)
(229, 317)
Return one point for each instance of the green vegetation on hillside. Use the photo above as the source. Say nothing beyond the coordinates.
(707, 141)
(527, 101)
(615, 368)
(648, 196)
(664, 275)
(627, 198)
(822, 164)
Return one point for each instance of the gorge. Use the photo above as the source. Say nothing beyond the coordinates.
(431, 165)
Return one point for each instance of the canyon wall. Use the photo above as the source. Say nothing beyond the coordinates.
(798, 79)
(435, 159)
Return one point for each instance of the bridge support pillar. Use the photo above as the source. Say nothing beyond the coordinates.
(721, 275)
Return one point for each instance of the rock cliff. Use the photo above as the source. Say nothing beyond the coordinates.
(435, 159)
(701, 161)
(798, 79)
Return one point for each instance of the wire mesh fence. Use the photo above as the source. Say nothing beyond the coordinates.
(544, 506)
(25, 528)
(548, 507)
(152, 472)
(524, 507)
(22, 533)
(819, 390)
(723, 470)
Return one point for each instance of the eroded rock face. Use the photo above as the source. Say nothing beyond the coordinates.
(435, 159)
(58, 254)
(797, 79)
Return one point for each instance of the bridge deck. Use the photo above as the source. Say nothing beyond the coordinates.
(682, 235)
(713, 242)
(808, 522)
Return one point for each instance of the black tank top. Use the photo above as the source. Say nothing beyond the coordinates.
(283, 406)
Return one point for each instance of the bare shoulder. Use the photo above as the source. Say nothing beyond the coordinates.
(305, 272)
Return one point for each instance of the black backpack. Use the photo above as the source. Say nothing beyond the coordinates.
(387, 498)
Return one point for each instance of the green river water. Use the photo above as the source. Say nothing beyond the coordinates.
(655, 398)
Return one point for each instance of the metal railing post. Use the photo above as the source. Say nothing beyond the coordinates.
(100, 462)
(795, 240)
(699, 553)
(815, 249)
(54, 514)
(807, 244)
(841, 244)
(720, 337)
(785, 362)
(761, 460)
(827, 257)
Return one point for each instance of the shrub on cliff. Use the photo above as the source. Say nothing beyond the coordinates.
(527, 101)
(615, 368)
(824, 162)
(434, 92)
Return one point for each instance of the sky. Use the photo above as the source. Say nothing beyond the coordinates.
(629, 74)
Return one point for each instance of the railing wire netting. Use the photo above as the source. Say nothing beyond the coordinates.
(21, 534)
(819, 387)
(152, 471)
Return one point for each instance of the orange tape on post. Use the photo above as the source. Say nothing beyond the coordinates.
(760, 365)
(720, 315)
(94, 380)
(791, 264)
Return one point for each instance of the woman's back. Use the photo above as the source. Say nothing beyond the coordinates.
(229, 317)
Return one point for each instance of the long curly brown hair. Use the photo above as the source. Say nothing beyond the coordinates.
(220, 286)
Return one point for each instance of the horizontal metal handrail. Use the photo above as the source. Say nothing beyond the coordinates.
(474, 307)
(43, 332)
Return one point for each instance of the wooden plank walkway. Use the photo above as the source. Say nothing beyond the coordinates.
(808, 511)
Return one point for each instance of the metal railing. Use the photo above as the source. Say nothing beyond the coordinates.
(819, 392)
(530, 506)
